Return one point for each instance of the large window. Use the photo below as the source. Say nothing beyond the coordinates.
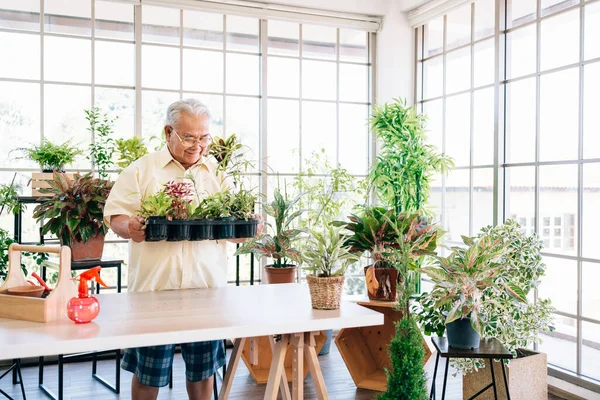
(285, 89)
(516, 106)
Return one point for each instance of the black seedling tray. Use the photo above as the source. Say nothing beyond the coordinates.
(159, 228)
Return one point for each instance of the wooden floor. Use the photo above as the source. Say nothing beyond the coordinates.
(80, 385)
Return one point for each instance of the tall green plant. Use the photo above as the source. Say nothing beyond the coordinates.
(406, 163)
(102, 147)
(130, 150)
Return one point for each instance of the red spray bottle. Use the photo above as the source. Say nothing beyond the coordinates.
(84, 308)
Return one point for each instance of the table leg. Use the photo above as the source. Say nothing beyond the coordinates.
(236, 354)
(505, 380)
(298, 366)
(284, 388)
(493, 379)
(119, 278)
(313, 365)
(445, 379)
(277, 368)
(432, 392)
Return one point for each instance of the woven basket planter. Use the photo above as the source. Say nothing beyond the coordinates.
(325, 293)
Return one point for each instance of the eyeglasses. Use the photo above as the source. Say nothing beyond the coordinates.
(191, 141)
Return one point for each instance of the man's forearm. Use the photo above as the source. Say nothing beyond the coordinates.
(120, 225)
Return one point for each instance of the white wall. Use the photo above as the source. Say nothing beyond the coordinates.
(395, 56)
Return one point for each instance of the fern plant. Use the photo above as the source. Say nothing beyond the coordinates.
(52, 157)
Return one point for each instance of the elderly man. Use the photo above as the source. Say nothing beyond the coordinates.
(171, 265)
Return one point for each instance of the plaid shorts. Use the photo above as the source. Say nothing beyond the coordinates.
(152, 364)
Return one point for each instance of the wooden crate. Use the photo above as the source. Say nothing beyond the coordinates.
(365, 350)
(40, 180)
(48, 309)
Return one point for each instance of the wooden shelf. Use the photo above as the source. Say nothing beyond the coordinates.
(365, 349)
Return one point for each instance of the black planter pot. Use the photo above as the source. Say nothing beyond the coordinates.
(201, 230)
(178, 231)
(461, 334)
(224, 228)
(156, 229)
(246, 229)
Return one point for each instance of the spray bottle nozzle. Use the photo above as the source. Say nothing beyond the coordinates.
(89, 275)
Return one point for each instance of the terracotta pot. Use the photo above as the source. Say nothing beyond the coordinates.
(388, 282)
(90, 250)
(285, 274)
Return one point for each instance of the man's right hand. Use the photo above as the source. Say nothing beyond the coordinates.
(136, 229)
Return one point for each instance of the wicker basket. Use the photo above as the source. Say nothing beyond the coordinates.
(325, 293)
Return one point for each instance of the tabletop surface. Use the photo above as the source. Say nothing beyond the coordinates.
(488, 348)
(181, 316)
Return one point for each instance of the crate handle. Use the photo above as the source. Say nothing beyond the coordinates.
(35, 249)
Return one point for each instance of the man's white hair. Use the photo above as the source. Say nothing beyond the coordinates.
(191, 107)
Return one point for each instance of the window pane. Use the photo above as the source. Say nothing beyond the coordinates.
(485, 12)
(561, 345)
(458, 28)
(591, 218)
(160, 24)
(354, 138)
(160, 67)
(484, 63)
(243, 74)
(283, 79)
(433, 75)
(242, 118)
(118, 103)
(113, 20)
(592, 30)
(319, 128)
(520, 121)
(215, 105)
(558, 208)
(318, 80)
(202, 70)
(591, 117)
(435, 198)
(522, 52)
(64, 117)
(558, 126)
(435, 37)
(353, 45)
(20, 14)
(483, 198)
(19, 121)
(242, 34)
(458, 70)
(483, 130)
(590, 357)
(202, 29)
(457, 204)
(560, 40)
(551, 6)
(522, 11)
(434, 112)
(589, 291)
(23, 51)
(284, 38)
(559, 284)
(520, 197)
(353, 83)
(282, 135)
(458, 128)
(319, 42)
(57, 50)
(109, 72)
(61, 16)
(154, 111)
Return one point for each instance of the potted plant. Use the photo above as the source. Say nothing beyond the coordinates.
(242, 208)
(370, 231)
(461, 283)
(130, 150)
(326, 258)
(180, 210)
(74, 214)
(278, 246)
(217, 207)
(154, 209)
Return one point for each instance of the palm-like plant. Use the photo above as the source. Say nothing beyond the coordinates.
(326, 254)
(279, 246)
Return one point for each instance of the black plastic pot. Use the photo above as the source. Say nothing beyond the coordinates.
(178, 230)
(156, 229)
(224, 228)
(461, 334)
(201, 229)
(246, 229)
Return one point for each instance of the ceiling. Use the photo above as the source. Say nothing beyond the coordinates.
(367, 7)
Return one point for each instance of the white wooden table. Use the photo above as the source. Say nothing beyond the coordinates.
(181, 316)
